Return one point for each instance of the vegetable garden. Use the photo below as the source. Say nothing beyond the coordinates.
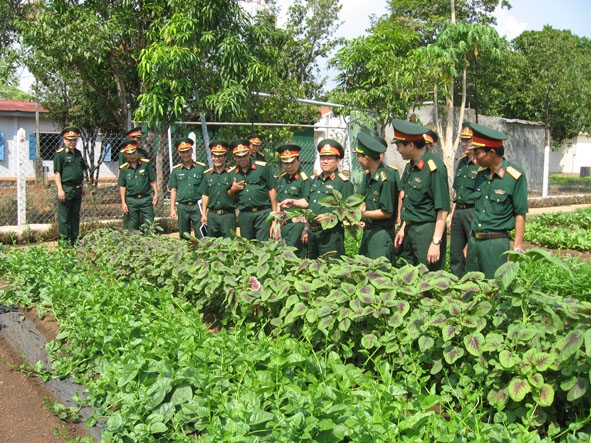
(227, 340)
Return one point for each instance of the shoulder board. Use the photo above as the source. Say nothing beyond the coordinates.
(60, 150)
(432, 165)
(304, 176)
(145, 160)
(260, 163)
(282, 174)
(124, 165)
(208, 171)
(482, 168)
(177, 166)
(343, 177)
(232, 168)
(393, 167)
(513, 172)
(383, 176)
(201, 164)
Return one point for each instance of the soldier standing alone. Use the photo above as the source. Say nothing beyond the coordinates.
(69, 169)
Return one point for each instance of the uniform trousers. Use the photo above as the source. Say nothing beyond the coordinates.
(68, 214)
(253, 225)
(486, 255)
(141, 212)
(460, 234)
(417, 240)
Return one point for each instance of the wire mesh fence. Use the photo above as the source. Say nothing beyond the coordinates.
(102, 202)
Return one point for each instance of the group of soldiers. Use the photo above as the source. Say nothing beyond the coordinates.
(406, 216)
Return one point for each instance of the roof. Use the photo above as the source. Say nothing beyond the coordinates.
(19, 106)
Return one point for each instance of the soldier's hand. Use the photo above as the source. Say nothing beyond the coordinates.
(61, 195)
(304, 236)
(173, 213)
(399, 238)
(287, 203)
(125, 208)
(237, 186)
(433, 253)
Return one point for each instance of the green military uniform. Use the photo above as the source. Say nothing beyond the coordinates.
(295, 186)
(463, 214)
(321, 240)
(71, 166)
(257, 140)
(221, 209)
(254, 200)
(138, 193)
(426, 191)
(380, 190)
(134, 134)
(498, 199)
(187, 181)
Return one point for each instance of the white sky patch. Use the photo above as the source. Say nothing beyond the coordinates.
(507, 25)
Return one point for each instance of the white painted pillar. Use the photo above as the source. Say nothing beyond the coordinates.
(546, 177)
(21, 178)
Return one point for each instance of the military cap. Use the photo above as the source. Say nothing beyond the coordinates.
(255, 139)
(129, 146)
(466, 131)
(289, 152)
(486, 137)
(405, 131)
(240, 147)
(430, 137)
(184, 144)
(369, 145)
(218, 147)
(383, 141)
(328, 146)
(135, 132)
(70, 133)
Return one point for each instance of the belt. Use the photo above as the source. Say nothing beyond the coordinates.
(137, 195)
(256, 209)
(414, 223)
(489, 235)
(372, 226)
(316, 228)
(188, 203)
(222, 211)
(78, 186)
(462, 206)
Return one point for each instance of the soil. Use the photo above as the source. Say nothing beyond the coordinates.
(23, 416)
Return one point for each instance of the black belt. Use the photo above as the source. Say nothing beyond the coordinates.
(316, 228)
(188, 203)
(489, 235)
(71, 185)
(137, 196)
(256, 209)
(222, 211)
(414, 223)
(462, 206)
(372, 226)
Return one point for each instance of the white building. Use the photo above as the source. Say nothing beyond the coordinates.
(573, 157)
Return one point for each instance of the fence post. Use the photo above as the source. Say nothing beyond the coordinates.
(21, 178)
(546, 177)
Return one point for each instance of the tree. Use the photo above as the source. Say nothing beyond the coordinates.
(9, 9)
(549, 79)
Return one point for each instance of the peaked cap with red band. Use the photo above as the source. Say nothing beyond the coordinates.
(486, 137)
(405, 131)
(184, 144)
(240, 147)
(129, 146)
(135, 132)
(218, 147)
(466, 131)
(289, 152)
(328, 146)
(71, 132)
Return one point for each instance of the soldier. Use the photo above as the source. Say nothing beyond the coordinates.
(137, 135)
(462, 211)
(69, 169)
(136, 177)
(426, 199)
(293, 186)
(430, 139)
(254, 190)
(500, 201)
(219, 209)
(380, 187)
(322, 241)
(185, 189)
(255, 142)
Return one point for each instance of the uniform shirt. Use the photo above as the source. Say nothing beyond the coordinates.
(499, 198)
(295, 186)
(258, 180)
(381, 192)
(426, 190)
(322, 187)
(136, 180)
(215, 185)
(464, 181)
(71, 166)
(187, 181)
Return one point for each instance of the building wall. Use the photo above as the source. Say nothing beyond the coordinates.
(572, 155)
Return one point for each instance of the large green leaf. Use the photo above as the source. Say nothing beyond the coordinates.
(369, 341)
(452, 353)
(498, 398)
(569, 345)
(578, 390)
(518, 388)
(508, 358)
(545, 397)
(474, 343)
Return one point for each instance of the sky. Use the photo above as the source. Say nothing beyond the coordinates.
(524, 15)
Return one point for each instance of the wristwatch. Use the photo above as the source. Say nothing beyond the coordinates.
(436, 241)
